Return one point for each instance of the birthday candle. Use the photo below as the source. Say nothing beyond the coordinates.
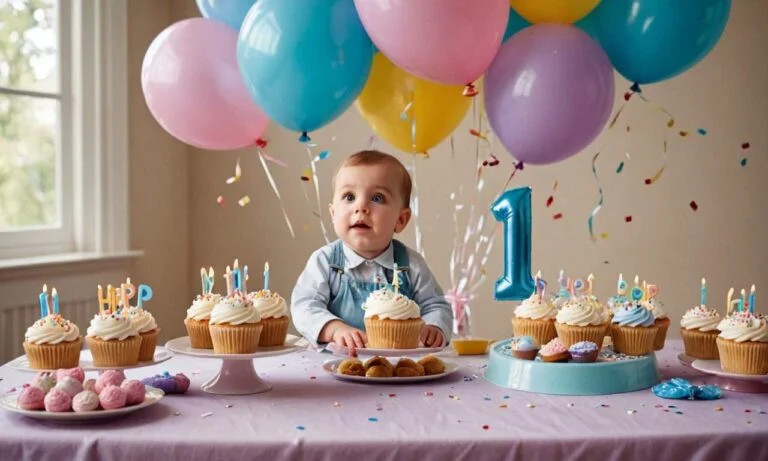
(266, 276)
(653, 290)
(590, 280)
(127, 292)
(752, 299)
(396, 280)
(102, 300)
(537, 283)
(743, 299)
(203, 281)
(621, 286)
(238, 282)
(562, 280)
(55, 296)
(728, 302)
(570, 287)
(645, 292)
(145, 294)
(44, 301)
(703, 292)
(111, 298)
(229, 281)
(245, 278)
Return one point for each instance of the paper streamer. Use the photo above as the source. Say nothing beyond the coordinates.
(596, 210)
(318, 213)
(272, 183)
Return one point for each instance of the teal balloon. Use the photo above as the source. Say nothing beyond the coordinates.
(589, 25)
(304, 62)
(513, 209)
(649, 41)
(230, 12)
(515, 24)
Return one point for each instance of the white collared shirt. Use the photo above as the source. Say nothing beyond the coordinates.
(312, 294)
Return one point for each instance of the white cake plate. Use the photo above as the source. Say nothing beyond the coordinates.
(370, 351)
(162, 354)
(237, 375)
(753, 384)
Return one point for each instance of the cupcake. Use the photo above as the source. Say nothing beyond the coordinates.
(235, 325)
(584, 352)
(113, 339)
(273, 311)
(698, 328)
(660, 320)
(145, 323)
(535, 317)
(743, 344)
(198, 316)
(52, 342)
(554, 351)
(524, 347)
(633, 329)
(392, 321)
(581, 319)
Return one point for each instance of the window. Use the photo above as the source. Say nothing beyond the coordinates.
(63, 127)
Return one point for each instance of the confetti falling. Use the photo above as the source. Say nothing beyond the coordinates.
(596, 210)
(306, 175)
(627, 218)
(373, 419)
(557, 216)
(702, 131)
(205, 415)
(620, 168)
(604, 235)
(683, 134)
(238, 173)
(491, 162)
(745, 146)
(300, 428)
(261, 143)
(694, 206)
(220, 200)
(550, 200)
(322, 155)
(478, 134)
(244, 201)
(743, 162)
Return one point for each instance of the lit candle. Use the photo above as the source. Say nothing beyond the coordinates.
(590, 280)
(537, 283)
(570, 288)
(102, 300)
(743, 299)
(55, 296)
(211, 280)
(145, 294)
(245, 278)
(645, 291)
(621, 286)
(111, 299)
(728, 302)
(752, 299)
(127, 292)
(653, 290)
(266, 276)
(396, 280)
(229, 281)
(44, 301)
(703, 292)
(238, 282)
(562, 280)
(203, 281)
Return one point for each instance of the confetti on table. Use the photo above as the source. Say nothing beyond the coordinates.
(747, 411)
(336, 404)
(604, 405)
(702, 131)
(429, 394)
(244, 201)
(301, 428)
(745, 146)
(391, 396)
(306, 175)
(176, 413)
(503, 405)
(743, 162)
(486, 399)
(627, 218)
(571, 405)
(486, 427)
(749, 422)
(550, 200)
(763, 413)
(678, 412)
(229, 405)
(313, 377)
(373, 420)
(620, 168)
(530, 405)
(631, 412)
(505, 397)
(205, 415)
(557, 216)
(220, 200)
(694, 206)
(238, 173)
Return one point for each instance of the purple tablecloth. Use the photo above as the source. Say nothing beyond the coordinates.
(310, 415)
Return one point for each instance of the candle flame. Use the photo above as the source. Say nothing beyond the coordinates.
(266, 266)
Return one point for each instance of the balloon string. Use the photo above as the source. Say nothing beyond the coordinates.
(596, 210)
(415, 209)
(317, 213)
(277, 192)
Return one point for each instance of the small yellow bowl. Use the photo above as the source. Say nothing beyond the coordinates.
(471, 346)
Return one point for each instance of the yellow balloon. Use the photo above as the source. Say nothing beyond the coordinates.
(394, 101)
(559, 11)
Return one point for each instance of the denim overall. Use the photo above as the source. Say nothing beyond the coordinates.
(348, 302)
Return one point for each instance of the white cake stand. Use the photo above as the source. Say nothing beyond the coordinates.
(237, 375)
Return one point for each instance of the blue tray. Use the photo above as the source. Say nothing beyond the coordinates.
(598, 378)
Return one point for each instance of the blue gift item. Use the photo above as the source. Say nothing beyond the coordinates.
(524, 347)
(620, 373)
(679, 389)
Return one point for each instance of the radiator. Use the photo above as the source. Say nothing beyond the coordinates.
(16, 319)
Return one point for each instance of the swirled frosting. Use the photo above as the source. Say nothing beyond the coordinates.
(616, 302)
(142, 320)
(581, 312)
(744, 326)
(112, 326)
(235, 309)
(524, 343)
(536, 307)
(202, 306)
(269, 304)
(51, 329)
(657, 308)
(387, 304)
(634, 314)
(700, 318)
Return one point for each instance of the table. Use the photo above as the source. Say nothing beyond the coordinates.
(310, 415)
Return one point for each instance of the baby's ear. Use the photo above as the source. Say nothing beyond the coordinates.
(330, 210)
(402, 220)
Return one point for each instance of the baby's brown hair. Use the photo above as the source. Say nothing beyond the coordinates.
(375, 157)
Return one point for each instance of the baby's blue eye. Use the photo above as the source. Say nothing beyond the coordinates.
(377, 198)
(348, 197)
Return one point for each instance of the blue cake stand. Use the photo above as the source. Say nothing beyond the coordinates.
(598, 378)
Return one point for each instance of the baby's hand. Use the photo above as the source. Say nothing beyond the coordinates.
(432, 336)
(350, 337)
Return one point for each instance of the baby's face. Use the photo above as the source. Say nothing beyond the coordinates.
(368, 207)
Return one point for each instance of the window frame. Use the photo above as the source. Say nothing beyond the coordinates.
(92, 177)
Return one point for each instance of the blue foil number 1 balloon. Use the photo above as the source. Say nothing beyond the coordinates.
(513, 208)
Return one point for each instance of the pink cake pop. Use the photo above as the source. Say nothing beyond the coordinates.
(58, 401)
(69, 385)
(76, 373)
(45, 381)
(89, 385)
(112, 397)
(134, 390)
(85, 401)
(31, 398)
(109, 378)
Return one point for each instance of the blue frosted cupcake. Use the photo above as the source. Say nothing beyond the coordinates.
(524, 347)
(633, 329)
(584, 352)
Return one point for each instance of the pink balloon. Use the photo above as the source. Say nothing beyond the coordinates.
(548, 93)
(447, 41)
(193, 87)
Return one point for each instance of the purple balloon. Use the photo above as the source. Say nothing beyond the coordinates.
(549, 93)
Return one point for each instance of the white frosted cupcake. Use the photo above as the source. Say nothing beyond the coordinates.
(235, 325)
(661, 321)
(743, 344)
(579, 320)
(698, 327)
(52, 342)
(274, 317)
(198, 316)
(147, 326)
(113, 340)
(392, 321)
(535, 317)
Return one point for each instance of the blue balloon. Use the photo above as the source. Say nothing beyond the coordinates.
(653, 40)
(304, 63)
(230, 12)
(513, 208)
(515, 24)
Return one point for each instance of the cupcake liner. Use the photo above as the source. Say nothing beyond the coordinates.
(393, 334)
(661, 335)
(114, 352)
(273, 331)
(700, 344)
(572, 334)
(543, 331)
(235, 339)
(53, 356)
(749, 357)
(148, 344)
(199, 334)
(633, 340)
